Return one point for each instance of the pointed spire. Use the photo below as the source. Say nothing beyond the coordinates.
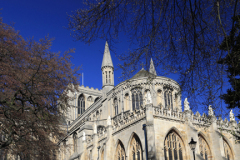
(152, 68)
(107, 60)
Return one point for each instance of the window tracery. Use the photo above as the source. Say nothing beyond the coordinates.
(81, 104)
(135, 149)
(173, 147)
(137, 99)
(227, 150)
(203, 148)
(168, 99)
(120, 152)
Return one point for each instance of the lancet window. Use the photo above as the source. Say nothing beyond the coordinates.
(203, 148)
(227, 151)
(81, 104)
(137, 99)
(115, 103)
(173, 147)
(168, 99)
(135, 149)
(120, 152)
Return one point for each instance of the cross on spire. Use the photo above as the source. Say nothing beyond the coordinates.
(142, 64)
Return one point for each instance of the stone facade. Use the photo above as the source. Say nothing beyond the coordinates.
(108, 124)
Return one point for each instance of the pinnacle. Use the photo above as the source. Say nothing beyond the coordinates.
(152, 68)
(107, 60)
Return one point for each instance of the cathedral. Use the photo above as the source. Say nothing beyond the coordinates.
(142, 118)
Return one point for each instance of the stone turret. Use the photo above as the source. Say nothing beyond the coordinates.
(107, 71)
(152, 68)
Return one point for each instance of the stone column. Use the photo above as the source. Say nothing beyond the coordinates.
(150, 132)
(95, 142)
(109, 146)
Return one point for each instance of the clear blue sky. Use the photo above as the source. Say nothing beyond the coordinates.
(39, 18)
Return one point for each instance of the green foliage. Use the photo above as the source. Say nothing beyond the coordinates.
(231, 45)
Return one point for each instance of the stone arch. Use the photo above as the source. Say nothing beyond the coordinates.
(90, 98)
(228, 147)
(174, 146)
(120, 152)
(204, 147)
(135, 147)
(96, 99)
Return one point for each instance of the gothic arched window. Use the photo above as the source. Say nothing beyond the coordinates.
(137, 100)
(173, 147)
(168, 99)
(135, 149)
(227, 150)
(81, 104)
(203, 148)
(115, 104)
(120, 152)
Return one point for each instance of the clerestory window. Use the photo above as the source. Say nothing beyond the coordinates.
(81, 104)
(137, 99)
(168, 99)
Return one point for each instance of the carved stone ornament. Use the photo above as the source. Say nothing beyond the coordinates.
(148, 98)
(232, 117)
(210, 111)
(109, 123)
(186, 105)
(95, 128)
(84, 136)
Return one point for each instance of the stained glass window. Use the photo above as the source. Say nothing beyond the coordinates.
(120, 152)
(135, 149)
(203, 148)
(227, 150)
(172, 147)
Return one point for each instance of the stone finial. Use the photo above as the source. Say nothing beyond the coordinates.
(84, 136)
(232, 117)
(152, 68)
(95, 128)
(148, 98)
(186, 105)
(109, 122)
(210, 111)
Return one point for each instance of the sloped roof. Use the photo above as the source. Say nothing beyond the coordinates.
(143, 73)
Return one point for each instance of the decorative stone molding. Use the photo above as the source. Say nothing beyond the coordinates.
(231, 115)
